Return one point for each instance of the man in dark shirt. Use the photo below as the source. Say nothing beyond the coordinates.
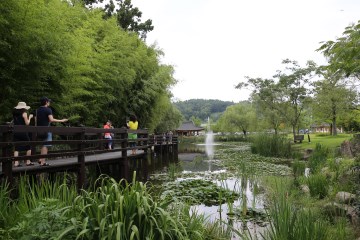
(44, 117)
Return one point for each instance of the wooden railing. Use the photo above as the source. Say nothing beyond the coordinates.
(75, 142)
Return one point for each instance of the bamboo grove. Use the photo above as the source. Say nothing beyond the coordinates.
(84, 61)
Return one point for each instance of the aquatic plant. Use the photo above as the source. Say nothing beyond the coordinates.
(271, 145)
(197, 191)
(318, 158)
(5, 203)
(318, 185)
(289, 222)
(298, 168)
(111, 210)
(173, 170)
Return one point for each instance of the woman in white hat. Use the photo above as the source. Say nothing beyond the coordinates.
(20, 117)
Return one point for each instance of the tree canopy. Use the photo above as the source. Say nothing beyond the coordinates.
(344, 53)
(91, 69)
(202, 108)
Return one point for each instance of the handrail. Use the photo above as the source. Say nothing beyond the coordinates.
(92, 140)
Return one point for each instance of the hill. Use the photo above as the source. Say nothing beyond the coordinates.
(202, 108)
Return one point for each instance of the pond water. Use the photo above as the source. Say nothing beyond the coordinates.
(195, 164)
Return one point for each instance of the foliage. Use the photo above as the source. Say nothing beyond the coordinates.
(286, 95)
(202, 109)
(343, 53)
(332, 99)
(291, 223)
(318, 185)
(238, 118)
(318, 158)
(298, 168)
(46, 221)
(271, 145)
(112, 210)
(91, 69)
(129, 18)
(198, 191)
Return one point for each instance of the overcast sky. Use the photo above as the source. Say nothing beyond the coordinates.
(214, 44)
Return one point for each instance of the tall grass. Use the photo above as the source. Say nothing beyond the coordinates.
(318, 157)
(173, 170)
(5, 203)
(111, 210)
(318, 186)
(298, 168)
(289, 222)
(271, 145)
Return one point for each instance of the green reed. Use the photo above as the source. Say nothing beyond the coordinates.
(318, 185)
(271, 145)
(111, 210)
(298, 168)
(318, 158)
(289, 222)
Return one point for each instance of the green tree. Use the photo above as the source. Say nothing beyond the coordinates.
(239, 117)
(203, 108)
(32, 53)
(91, 68)
(343, 54)
(288, 94)
(332, 99)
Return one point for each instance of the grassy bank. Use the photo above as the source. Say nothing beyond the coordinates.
(325, 140)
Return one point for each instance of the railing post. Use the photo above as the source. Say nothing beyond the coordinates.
(124, 145)
(7, 152)
(81, 160)
(175, 148)
(145, 158)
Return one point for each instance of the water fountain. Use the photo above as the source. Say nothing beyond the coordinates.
(209, 142)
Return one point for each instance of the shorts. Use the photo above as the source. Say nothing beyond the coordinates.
(48, 139)
(132, 137)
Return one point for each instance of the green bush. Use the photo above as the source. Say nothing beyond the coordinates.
(318, 186)
(112, 210)
(289, 222)
(318, 158)
(298, 168)
(271, 145)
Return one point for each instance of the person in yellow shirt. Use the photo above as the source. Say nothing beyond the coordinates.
(132, 125)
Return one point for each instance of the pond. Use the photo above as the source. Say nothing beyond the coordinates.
(202, 177)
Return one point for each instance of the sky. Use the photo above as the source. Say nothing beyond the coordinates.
(213, 45)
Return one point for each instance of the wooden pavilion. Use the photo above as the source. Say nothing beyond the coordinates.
(188, 129)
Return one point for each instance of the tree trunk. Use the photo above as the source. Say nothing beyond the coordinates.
(334, 131)
(244, 131)
(294, 131)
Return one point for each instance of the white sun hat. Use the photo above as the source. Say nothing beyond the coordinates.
(22, 105)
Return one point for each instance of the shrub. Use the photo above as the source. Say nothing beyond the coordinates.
(292, 223)
(318, 158)
(318, 186)
(271, 145)
(298, 168)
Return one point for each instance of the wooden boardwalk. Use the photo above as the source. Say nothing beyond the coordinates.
(75, 148)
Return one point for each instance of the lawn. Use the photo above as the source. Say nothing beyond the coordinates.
(325, 140)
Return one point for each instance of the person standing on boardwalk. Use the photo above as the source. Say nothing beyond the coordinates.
(44, 116)
(132, 125)
(107, 135)
(20, 117)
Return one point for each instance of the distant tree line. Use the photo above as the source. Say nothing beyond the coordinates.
(92, 62)
(201, 109)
